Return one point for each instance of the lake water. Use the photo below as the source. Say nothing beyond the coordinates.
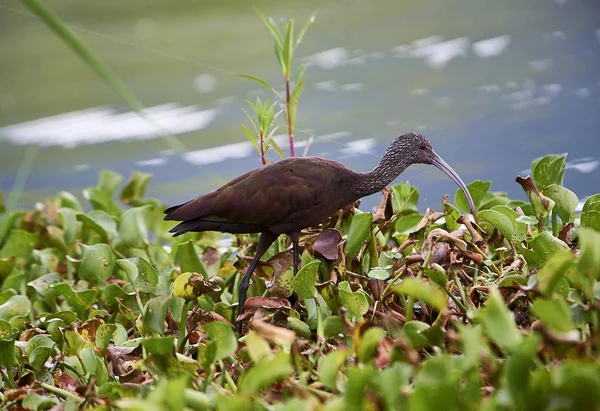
(493, 84)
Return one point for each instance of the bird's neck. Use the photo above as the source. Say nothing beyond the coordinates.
(382, 175)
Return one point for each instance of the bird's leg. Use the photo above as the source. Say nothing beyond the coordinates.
(295, 239)
(296, 252)
(264, 242)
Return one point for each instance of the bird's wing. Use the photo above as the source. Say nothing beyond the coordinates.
(267, 196)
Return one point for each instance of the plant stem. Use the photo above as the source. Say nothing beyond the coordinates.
(555, 229)
(63, 393)
(181, 338)
(288, 116)
(8, 377)
(262, 149)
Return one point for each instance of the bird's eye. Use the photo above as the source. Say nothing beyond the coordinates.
(423, 147)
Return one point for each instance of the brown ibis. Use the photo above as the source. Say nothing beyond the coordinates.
(295, 193)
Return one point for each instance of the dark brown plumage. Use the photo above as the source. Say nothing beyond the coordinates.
(295, 193)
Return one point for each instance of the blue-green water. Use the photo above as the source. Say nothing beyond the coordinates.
(492, 84)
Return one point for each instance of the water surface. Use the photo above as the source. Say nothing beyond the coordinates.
(492, 84)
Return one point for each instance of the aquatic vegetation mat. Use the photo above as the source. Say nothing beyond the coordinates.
(397, 309)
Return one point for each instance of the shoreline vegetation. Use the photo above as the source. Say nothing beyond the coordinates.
(404, 308)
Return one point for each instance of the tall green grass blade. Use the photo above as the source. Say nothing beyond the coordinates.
(62, 30)
(257, 80)
(21, 178)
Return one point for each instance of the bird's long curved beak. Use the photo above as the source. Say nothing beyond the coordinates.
(437, 161)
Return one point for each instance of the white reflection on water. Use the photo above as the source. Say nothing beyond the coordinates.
(152, 162)
(540, 65)
(358, 147)
(99, 125)
(491, 47)
(583, 165)
(215, 155)
(583, 92)
(551, 89)
(439, 54)
(330, 59)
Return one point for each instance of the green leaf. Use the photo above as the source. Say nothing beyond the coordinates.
(20, 244)
(414, 330)
(404, 197)
(369, 343)
(422, 290)
(304, 282)
(379, 273)
(258, 348)
(548, 170)
(590, 213)
(330, 366)
(251, 138)
(451, 215)
(589, 255)
(135, 189)
(68, 200)
(265, 373)
(42, 284)
(498, 322)
(140, 272)
(356, 386)
(478, 189)
(108, 181)
(391, 382)
(132, 227)
(565, 201)
(527, 219)
(555, 314)
(189, 260)
(101, 201)
(553, 271)
(406, 223)
(100, 223)
(104, 334)
(97, 262)
(356, 302)
(299, 327)
(505, 220)
(8, 335)
(333, 326)
(222, 336)
(474, 345)
(159, 345)
(437, 274)
(17, 305)
(7, 223)
(256, 80)
(360, 229)
(68, 218)
(545, 245)
(80, 301)
(288, 47)
(305, 27)
(155, 312)
(34, 401)
(39, 348)
(518, 370)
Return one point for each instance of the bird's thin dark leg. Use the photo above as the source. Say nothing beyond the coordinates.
(295, 237)
(264, 242)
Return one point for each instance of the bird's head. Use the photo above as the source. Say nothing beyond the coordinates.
(415, 148)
